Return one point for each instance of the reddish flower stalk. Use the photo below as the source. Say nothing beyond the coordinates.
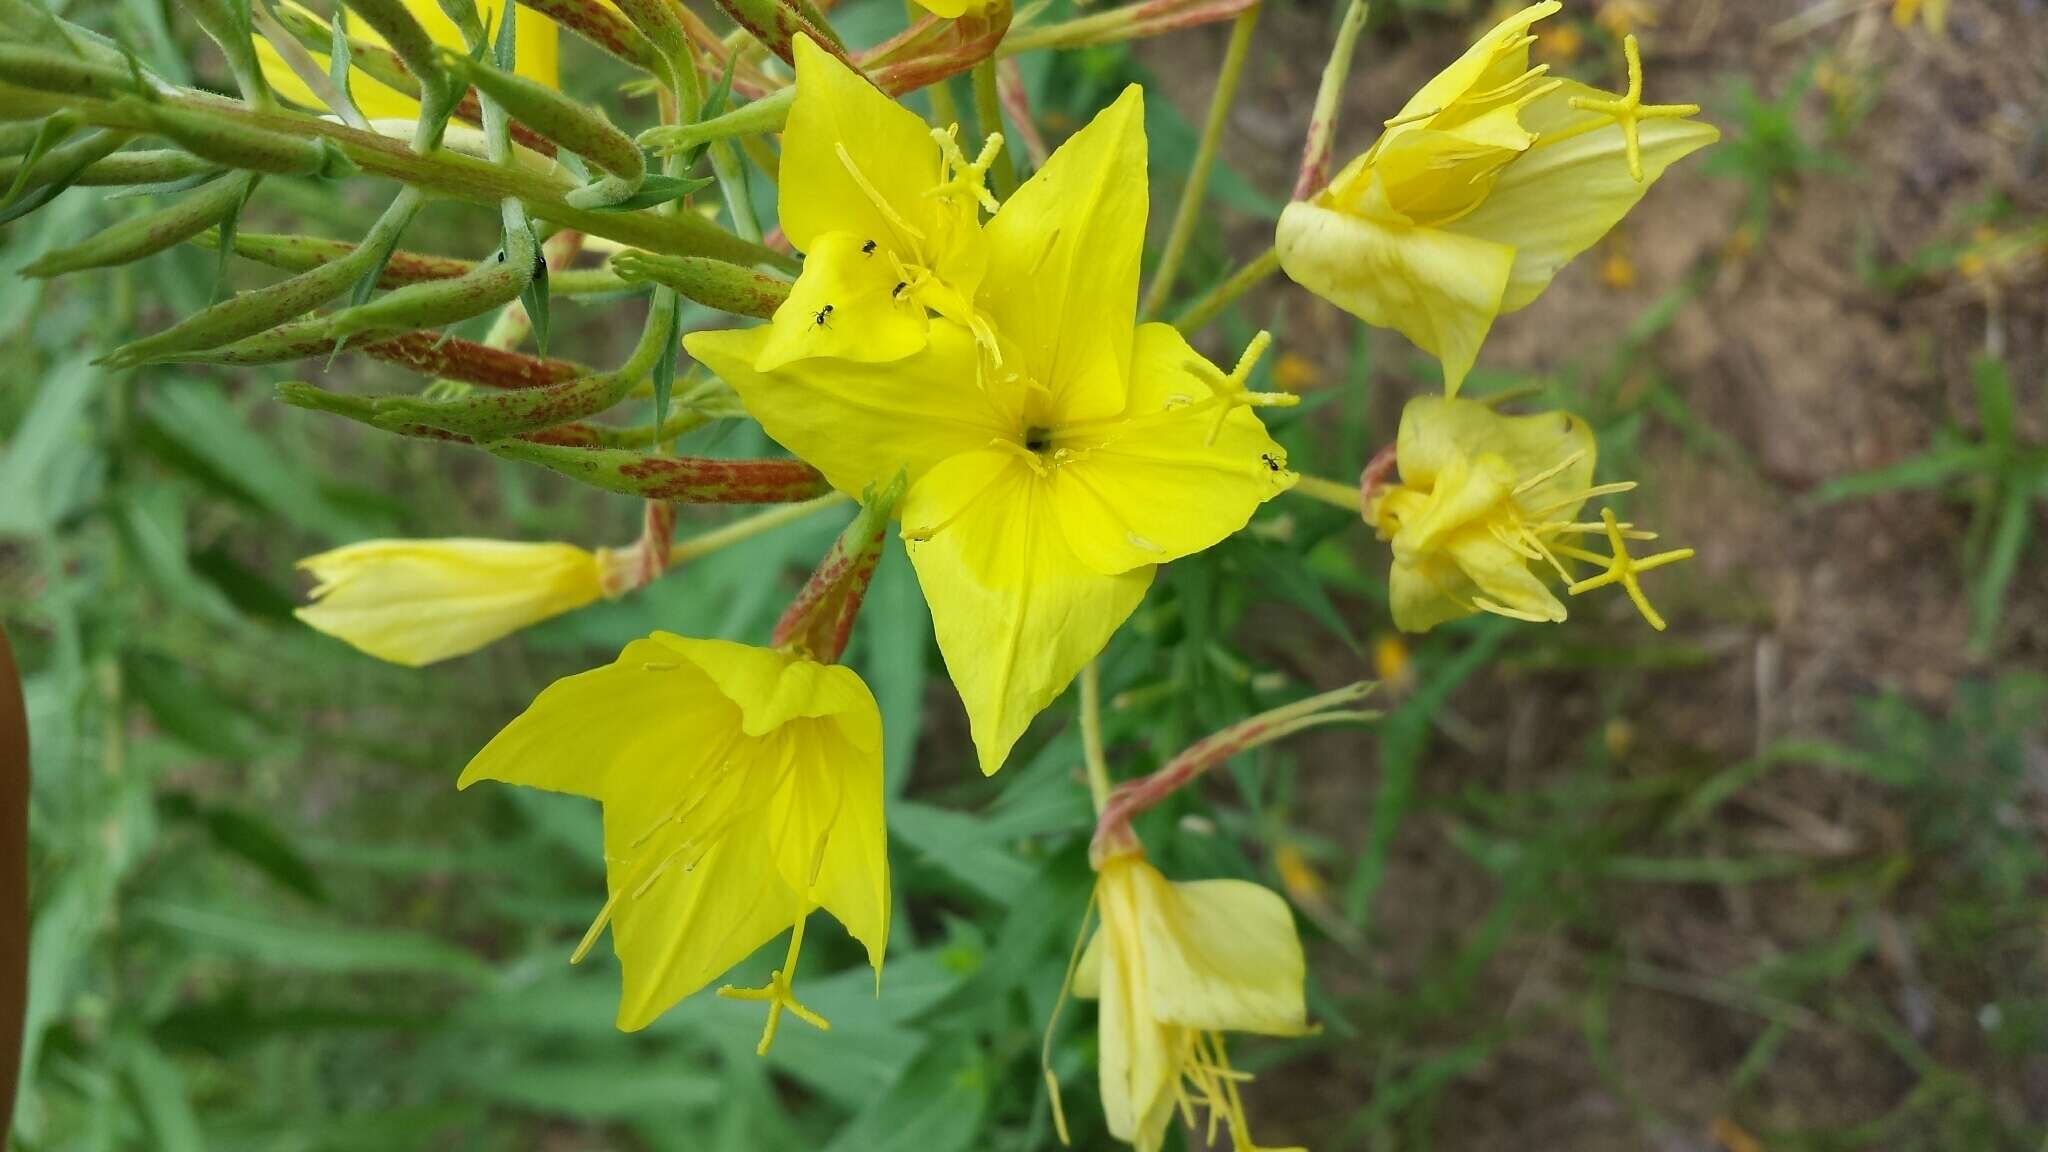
(820, 619)
(1134, 797)
(1017, 103)
(1376, 472)
(684, 479)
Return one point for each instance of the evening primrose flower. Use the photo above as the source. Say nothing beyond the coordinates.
(741, 787)
(1046, 486)
(1175, 966)
(887, 212)
(1490, 179)
(1482, 497)
(414, 602)
(535, 38)
(1932, 13)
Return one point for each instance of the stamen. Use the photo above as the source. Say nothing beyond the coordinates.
(1581, 497)
(875, 197)
(1623, 569)
(1628, 110)
(778, 994)
(1549, 472)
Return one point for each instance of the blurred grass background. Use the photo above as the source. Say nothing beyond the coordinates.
(1773, 880)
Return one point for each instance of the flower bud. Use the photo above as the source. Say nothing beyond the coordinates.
(414, 602)
(582, 129)
(716, 284)
(490, 284)
(238, 145)
(495, 415)
(144, 166)
(602, 25)
(683, 479)
(149, 233)
(817, 623)
(392, 20)
(51, 70)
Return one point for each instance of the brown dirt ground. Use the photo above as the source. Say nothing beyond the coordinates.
(1815, 373)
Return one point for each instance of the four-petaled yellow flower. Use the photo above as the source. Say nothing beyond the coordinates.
(535, 40)
(1481, 498)
(742, 788)
(1175, 966)
(1490, 179)
(1047, 482)
(414, 602)
(887, 213)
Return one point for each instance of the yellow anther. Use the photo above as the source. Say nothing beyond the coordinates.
(1623, 569)
(966, 177)
(777, 993)
(1628, 110)
(1229, 388)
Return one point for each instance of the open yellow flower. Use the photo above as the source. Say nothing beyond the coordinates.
(1044, 489)
(742, 788)
(1175, 966)
(414, 602)
(887, 213)
(1490, 179)
(535, 37)
(1481, 497)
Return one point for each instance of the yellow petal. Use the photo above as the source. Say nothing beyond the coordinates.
(414, 602)
(1493, 60)
(1221, 955)
(1558, 199)
(1436, 431)
(859, 423)
(1063, 254)
(1439, 289)
(892, 149)
(690, 926)
(1016, 611)
(1151, 487)
(1428, 590)
(848, 305)
(827, 827)
(1504, 576)
(1139, 1058)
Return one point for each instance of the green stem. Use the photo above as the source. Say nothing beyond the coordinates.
(1215, 300)
(1329, 492)
(705, 543)
(1193, 193)
(1322, 122)
(1091, 736)
(988, 110)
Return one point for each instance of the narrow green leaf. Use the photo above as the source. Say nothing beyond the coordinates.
(161, 1096)
(2001, 561)
(935, 1106)
(54, 131)
(535, 297)
(313, 946)
(1994, 401)
(664, 376)
(656, 190)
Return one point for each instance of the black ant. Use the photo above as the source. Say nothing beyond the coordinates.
(1272, 465)
(822, 317)
(897, 292)
(868, 249)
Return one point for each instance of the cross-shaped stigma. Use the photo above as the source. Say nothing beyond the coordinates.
(777, 993)
(1628, 110)
(1623, 569)
(1230, 388)
(964, 176)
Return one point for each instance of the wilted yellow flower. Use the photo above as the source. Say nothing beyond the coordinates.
(742, 788)
(1175, 966)
(535, 40)
(414, 602)
(1932, 13)
(1045, 486)
(1490, 179)
(887, 212)
(1481, 497)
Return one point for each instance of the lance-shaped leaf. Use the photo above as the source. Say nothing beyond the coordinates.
(228, 23)
(491, 284)
(820, 618)
(147, 234)
(428, 353)
(683, 479)
(145, 172)
(62, 173)
(712, 283)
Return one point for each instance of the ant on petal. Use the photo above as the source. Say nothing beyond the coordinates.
(822, 317)
(868, 249)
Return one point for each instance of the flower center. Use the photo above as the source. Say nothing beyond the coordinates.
(1038, 439)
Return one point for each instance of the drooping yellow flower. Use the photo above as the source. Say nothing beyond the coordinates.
(742, 788)
(1490, 179)
(1046, 487)
(414, 602)
(1481, 498)
(1932, 13)
(1175, 966)
(535, 40)
(887, 212)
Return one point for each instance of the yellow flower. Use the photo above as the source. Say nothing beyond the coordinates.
(1046, 487)
(742, 788)
(1481, 497)
(1488, 181)
(887, 213)
(1932, 13)
(1175, 966)
(954, 9)
(414, 602)
(535, 38)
